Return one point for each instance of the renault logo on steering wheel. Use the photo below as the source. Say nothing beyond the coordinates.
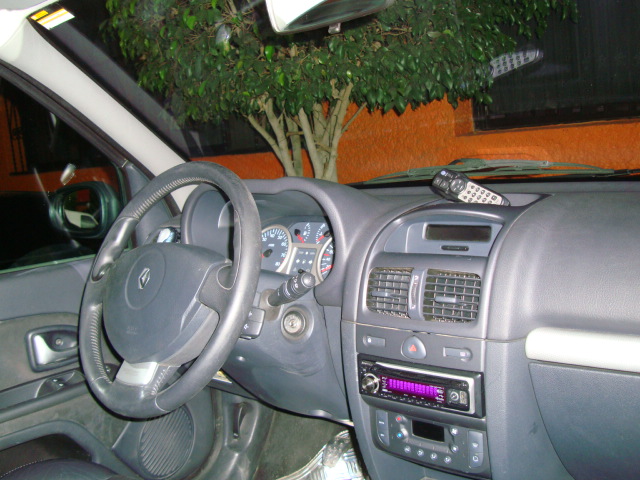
(144, 278)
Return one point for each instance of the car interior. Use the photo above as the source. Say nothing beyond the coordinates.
(208, 327)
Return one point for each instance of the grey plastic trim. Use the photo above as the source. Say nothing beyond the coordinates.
(519, 444)
(38, 404)
(570, 261)
(411, 236)
(62, 283)
(587, 349)
(591, 417)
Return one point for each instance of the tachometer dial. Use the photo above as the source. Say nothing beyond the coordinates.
(326, 259)
(276, 243)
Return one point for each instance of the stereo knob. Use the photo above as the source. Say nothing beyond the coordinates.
(370, 383)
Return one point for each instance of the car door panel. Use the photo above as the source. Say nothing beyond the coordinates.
(14, 350)
(30, 300)
(47, 289)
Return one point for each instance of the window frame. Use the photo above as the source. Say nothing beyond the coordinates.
(122, 161)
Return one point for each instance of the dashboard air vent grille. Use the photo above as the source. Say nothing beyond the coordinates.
(451, 296)
(388, 291)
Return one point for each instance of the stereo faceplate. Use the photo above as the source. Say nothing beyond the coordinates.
(454, 391)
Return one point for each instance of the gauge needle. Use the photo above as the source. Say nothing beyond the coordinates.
(267, 253)
(326, 268)
(297, 233)
(326, 234)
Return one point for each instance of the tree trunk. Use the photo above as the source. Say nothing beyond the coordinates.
(322, 129)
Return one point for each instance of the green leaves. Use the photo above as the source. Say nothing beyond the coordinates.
(268, 52)
(210, 62)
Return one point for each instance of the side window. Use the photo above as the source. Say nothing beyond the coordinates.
(58, 194)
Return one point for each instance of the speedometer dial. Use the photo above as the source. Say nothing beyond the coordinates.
(276, 242)
(326, 259)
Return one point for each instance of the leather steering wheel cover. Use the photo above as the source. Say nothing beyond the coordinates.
(138, 403)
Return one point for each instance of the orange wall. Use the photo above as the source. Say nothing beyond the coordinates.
(50, 181)
(437, 134)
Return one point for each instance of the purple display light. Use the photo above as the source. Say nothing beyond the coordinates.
(430, 392)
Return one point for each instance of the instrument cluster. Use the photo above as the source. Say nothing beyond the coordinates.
(303, 246)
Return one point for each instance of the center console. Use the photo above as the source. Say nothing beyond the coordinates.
(423, 412)
(420, 338)
(434, 443)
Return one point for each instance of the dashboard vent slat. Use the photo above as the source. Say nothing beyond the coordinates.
(451, 296)
(388, 291)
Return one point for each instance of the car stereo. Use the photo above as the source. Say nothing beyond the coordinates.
(431, 388)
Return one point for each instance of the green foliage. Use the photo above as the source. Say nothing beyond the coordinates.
(211, 60)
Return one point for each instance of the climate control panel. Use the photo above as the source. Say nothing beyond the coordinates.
(434, 444)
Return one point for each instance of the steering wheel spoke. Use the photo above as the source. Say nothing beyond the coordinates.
(217, 287)
(164, 305)
(150, 377)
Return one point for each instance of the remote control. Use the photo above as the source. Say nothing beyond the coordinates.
(511, 61)
(457, 186)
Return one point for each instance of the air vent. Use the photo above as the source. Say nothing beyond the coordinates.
(451, 296)
(388, 291)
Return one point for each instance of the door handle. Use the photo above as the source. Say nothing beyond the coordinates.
(52, 347)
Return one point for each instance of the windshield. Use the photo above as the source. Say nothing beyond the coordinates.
(386, 97)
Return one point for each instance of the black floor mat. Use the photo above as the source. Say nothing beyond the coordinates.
(292, 442)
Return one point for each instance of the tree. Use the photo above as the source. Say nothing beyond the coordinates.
(214, 58)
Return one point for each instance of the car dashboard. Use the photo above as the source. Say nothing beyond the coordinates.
(459, 340)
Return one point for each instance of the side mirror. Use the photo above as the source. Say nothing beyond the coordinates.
(289, 16)
(84, 210)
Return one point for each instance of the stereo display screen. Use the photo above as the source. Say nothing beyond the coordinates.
(417, 389)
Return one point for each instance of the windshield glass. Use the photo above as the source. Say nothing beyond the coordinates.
(420, 84)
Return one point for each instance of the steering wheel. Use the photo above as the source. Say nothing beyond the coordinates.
(166, 304)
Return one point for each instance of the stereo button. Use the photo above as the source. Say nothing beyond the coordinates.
(414, 348)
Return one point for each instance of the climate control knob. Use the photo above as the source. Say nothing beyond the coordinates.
(370, 383)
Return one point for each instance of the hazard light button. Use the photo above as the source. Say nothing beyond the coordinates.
(414, 348)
